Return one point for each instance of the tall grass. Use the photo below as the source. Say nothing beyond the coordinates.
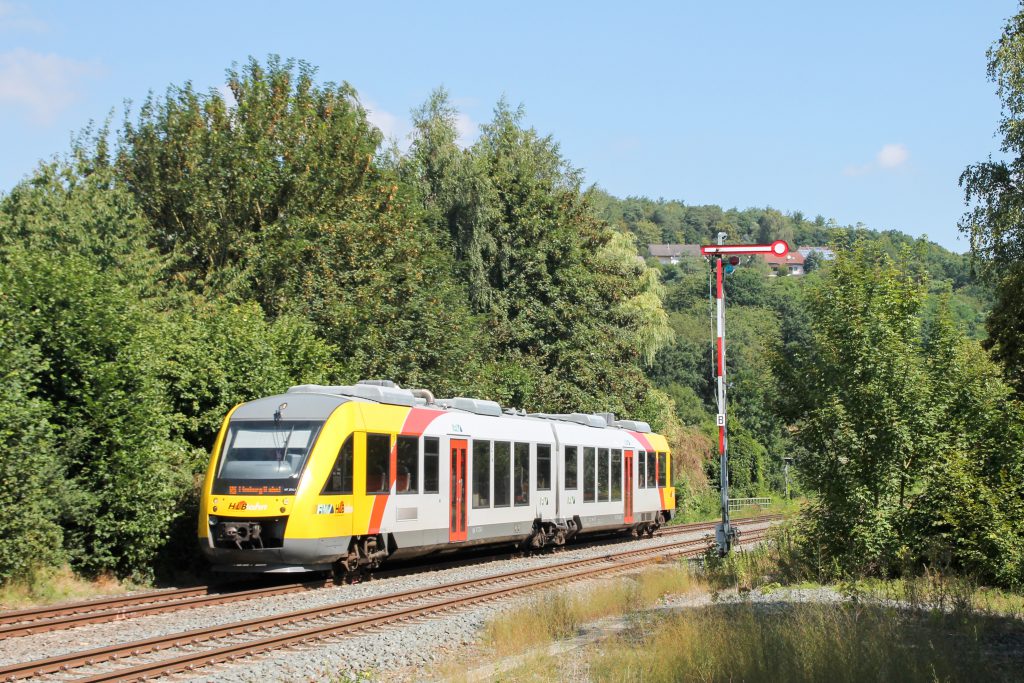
(799, 642)
(49, 585)
(556, 615)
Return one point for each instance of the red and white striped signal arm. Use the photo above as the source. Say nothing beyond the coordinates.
(776, 248)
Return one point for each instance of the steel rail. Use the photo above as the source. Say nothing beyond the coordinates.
(99, 655)
(230, 653)
(188, 602)
(41, 620)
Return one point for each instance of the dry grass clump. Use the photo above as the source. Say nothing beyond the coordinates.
(56, 585)
(802, 642)
(558, 614)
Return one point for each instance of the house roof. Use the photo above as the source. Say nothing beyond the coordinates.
(824, 252)
(793, 258)
(671, 250)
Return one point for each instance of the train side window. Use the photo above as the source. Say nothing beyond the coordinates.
(378, 463)
(431, 458)
(662, 469)
(502, 473)
(641, 465)
(543, 467)
(651, 469)
(602, 474)
(589, 474)
(616, 474)
(339, 481)
(407, 458)
(481, 474)
(570, 467)
(521, 474)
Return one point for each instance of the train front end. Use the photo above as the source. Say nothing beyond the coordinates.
(255, 513)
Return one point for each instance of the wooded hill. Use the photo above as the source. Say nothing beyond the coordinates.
(205, 253)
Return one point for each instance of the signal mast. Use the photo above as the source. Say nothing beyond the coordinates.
(725, 533)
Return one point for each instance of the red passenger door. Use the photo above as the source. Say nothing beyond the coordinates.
(457, 491)
(628, 493)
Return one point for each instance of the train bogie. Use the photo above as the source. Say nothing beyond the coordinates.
(349, 476)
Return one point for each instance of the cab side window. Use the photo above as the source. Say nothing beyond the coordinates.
(339, 481)
(662, 469)
(378, 463)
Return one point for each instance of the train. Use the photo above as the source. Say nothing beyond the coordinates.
(344, 478)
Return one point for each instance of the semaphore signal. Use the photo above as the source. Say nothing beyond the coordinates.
(725, 534)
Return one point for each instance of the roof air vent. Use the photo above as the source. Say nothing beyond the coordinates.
(633, 426)
(471, 405)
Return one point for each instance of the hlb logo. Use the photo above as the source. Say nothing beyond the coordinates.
(242, 505)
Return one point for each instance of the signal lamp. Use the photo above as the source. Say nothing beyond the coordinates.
(734, 260)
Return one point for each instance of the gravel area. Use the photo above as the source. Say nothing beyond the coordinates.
(389, 648)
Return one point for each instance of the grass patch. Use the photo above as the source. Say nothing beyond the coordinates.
(57, 585)
(706, 507)
(836, 643)
(558, 615)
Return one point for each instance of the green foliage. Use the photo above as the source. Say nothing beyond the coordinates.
(992, 190)
(570, 309)
(29, 474)
(904, 431)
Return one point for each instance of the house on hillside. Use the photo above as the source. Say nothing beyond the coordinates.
(673, 253)
(790, 264)
(824, 253)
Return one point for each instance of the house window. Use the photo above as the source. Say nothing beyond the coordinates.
(407, 458)
(339, 482)
(481, 474)
(378, 463)
(431, 458)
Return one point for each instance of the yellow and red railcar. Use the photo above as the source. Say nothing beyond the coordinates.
(347, 476)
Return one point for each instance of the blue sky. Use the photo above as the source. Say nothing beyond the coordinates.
(862, 112)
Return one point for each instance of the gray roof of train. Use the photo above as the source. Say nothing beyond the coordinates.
(315, 402)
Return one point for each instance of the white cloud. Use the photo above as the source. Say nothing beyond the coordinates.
(45, 85)
(15, 17)
(400, 129)
(391, 126)
(467, 130)
(890, 157)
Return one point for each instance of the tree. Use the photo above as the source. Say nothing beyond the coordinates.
(859, 399)
(276, 197)
(571, 312)
(994, 194)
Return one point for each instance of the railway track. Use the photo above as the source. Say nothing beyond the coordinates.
(41, 620)
(214, 645)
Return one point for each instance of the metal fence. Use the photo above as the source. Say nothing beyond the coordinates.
(737, 503)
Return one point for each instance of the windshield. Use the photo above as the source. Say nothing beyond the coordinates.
(264, 457)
